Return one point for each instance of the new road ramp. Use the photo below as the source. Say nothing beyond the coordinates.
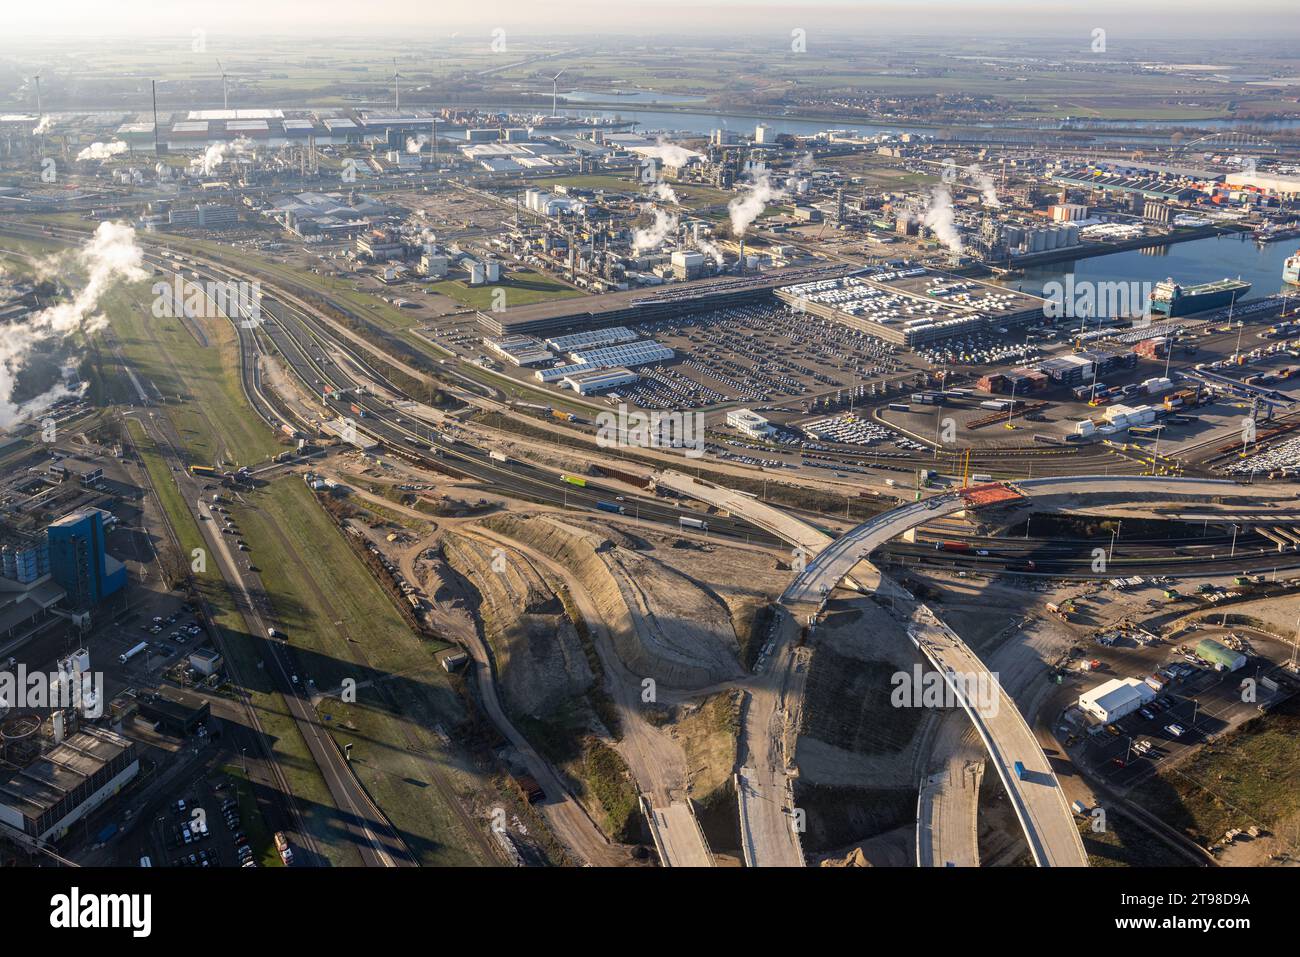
(1015, 753)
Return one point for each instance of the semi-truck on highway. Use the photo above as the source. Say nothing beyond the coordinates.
(132, 652)
(574, 480)
(611, 507)
(496, 456)
(952, 546)
(684, 522)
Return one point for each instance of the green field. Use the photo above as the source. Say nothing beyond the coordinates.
(520, 289)
(345, 629)
(1248, 777)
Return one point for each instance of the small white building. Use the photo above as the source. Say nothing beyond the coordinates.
(750, 423)
(1114, 699)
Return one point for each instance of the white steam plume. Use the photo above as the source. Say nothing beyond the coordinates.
(748, 206)
(939, 219)
(102, 151)
(215, 154)
(44, 126)
(709, 249)
(665, 193)
(416, 143)
(984, 181)
(665, 225)
(110, 256)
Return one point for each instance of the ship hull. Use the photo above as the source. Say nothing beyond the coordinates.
(1189, 303)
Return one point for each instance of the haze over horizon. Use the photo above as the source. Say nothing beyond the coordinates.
(1190, 18)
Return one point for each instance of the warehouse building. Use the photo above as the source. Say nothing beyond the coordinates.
(1114, 699)
(1220, 655)
(598, 380)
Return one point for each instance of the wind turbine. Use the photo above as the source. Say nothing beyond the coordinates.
(555, 88)
(397, 101)
(225, 93)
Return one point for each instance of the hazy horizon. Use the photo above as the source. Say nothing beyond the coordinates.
(1021, 18)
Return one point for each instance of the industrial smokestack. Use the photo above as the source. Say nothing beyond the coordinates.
(153, 86)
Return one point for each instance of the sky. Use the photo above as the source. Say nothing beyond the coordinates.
(1143, 19)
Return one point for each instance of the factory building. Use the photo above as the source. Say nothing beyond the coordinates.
(380, 245)
(42, 801)
(204, 216)
(79, 559)
(687, 264)
(1068, 212)
(1112, 700)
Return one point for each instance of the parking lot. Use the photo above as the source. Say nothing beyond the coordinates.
(1203, 704)
(212, 823)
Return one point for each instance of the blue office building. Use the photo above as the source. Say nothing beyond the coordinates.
(79, 559)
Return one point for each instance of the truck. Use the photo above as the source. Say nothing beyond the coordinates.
(130, 653)
(684, 522)
(611, 507)
(282, 845)
(1019, 769)
(952, 546)
(574, 480)
(1079, 808)
(359, 412)
(564, 416)
(496, 456)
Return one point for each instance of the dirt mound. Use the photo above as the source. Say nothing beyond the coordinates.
(663, 625)
(539, 657)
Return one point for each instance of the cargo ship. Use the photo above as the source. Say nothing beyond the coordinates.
(1291, 269)
(1171, 299)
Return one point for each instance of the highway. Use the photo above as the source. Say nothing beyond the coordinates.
(1035, 793)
